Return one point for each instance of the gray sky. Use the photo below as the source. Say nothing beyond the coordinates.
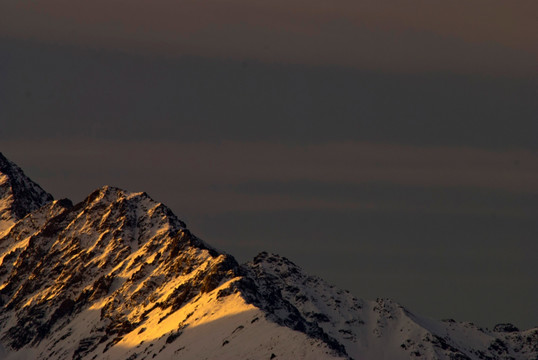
(389, 148)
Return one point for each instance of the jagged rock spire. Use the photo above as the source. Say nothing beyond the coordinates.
(18, 194)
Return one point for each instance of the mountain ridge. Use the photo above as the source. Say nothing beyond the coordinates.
(119, 276)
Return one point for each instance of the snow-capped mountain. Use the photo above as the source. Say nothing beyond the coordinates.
(119, 276)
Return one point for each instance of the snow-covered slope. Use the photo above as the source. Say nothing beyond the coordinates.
(383, 329)
(119, 276)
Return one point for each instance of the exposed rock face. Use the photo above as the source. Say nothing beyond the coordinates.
(18, 194)
(119, 276)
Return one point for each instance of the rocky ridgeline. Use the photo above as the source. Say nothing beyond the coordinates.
(119, 276)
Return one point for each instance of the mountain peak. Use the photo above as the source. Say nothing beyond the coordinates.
(135, 203)
(19, 195)
(118, 276)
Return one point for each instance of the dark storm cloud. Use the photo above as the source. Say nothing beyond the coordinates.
(216, 176)
(71, 91)
(419, 199)
(494, 36)
(389, 146)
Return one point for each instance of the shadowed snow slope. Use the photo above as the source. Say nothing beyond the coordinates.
(119, 276)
